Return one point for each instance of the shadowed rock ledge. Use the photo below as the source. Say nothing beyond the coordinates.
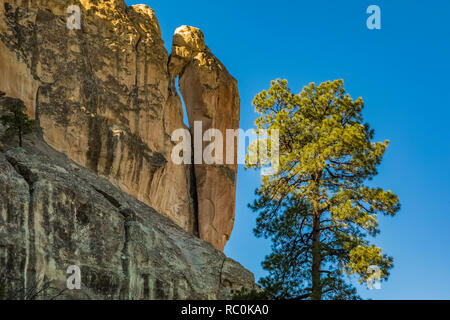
(54, 213)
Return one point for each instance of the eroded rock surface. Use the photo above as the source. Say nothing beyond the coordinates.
(55, 213)
(103, 95)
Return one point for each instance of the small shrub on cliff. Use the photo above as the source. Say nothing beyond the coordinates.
(15, 119)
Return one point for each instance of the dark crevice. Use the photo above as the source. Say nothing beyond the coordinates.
(30, 179)
(136, 76)
(36, 114)
(194, 196)
(111, 143)
(108, 197)
(220, 272)
(146, 287)
(126, 260)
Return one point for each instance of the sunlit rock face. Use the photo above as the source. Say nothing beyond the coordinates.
(104, 95)
(101, 94)
(211, 97)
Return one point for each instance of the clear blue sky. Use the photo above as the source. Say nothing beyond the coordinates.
(402, 72)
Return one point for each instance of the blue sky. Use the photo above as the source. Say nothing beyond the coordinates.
(401, 71)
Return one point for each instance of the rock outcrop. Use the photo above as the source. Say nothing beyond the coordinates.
(211, 97)
(104, 96)
(55, 214)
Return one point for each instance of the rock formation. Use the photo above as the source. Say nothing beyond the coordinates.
(55, 214)
(95, 186)
(211, 97)
(104, 96)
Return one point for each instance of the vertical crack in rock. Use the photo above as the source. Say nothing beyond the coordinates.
(194, 196)
(219, 281)
(108, 197)
(136, 75)
(29, 271)
(125, 257)
(145, 278)
(211, 96)
(36, 113)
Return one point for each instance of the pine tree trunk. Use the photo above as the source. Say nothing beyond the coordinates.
(316, 257)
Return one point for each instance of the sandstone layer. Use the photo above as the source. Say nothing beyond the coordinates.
(104, 96)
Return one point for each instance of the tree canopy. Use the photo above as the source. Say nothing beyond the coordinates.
(318, 209)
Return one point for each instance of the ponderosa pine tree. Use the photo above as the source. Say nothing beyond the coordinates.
(318, 209)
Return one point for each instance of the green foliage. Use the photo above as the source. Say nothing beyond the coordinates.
(15, 119)
(317, 209)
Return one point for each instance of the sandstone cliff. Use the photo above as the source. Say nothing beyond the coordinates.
(105, 96)
(95, 185)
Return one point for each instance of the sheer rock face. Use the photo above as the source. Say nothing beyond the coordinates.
(211, 97)
(55, 214)
(103, 95)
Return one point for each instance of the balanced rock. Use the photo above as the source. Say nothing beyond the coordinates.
(211, 97)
